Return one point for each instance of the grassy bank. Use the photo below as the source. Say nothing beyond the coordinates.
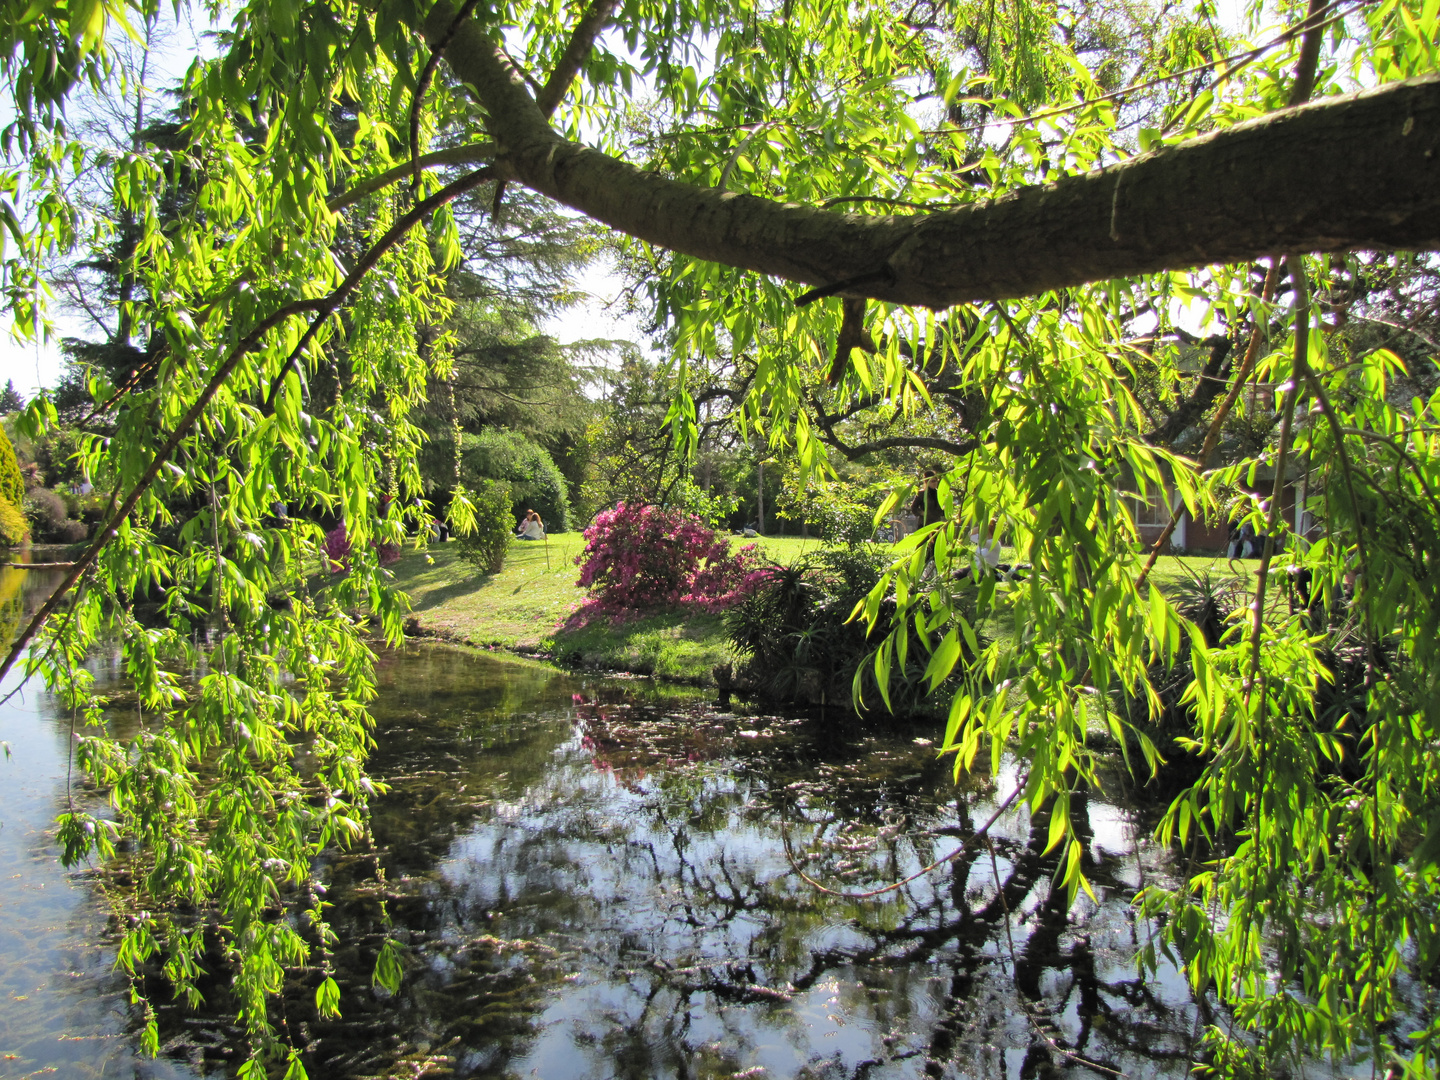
(521, 608)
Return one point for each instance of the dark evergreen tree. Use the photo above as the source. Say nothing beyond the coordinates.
(10, 399)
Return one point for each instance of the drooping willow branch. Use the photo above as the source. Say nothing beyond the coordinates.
(367, 263)
(1212, 437)
(1299, 369)
(1313, 28)
(107, 532)
(322, 307)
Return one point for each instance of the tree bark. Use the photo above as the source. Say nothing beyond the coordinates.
(1348, 172)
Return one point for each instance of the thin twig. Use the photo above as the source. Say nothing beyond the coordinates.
(325, 306)
(970, 841)
(1035, 1021)
(469, 154)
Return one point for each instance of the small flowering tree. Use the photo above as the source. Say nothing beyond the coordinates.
(639, 558)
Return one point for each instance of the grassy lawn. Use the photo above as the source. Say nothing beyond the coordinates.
(522, 607)
(1171, 570)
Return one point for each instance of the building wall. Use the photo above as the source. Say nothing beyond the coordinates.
(1209, 536)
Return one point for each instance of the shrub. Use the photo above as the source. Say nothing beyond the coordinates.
(486, 547)
(711, 508)
(12, 485)
(841, 513)
(639, 558)
(533, 479)
(799, 642)
(56, 453)
(843, 522)
(13, 526)
(49, 514)
(337, 548)
(46, 509)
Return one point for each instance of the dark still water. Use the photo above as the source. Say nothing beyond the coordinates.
(590, 880)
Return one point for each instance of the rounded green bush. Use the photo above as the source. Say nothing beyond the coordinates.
(12, 484)
(13, 526)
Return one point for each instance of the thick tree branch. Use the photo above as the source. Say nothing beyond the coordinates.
(1309, 53)
(582, 40)
(854, 452)
(900, 442)
(437, 50)
(1357, 171)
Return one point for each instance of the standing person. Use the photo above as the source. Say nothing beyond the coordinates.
(926, 504)
(532, 528)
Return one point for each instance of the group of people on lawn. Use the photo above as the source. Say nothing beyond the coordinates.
(532, 528)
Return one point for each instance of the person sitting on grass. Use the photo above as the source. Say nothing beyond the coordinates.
(532, 528)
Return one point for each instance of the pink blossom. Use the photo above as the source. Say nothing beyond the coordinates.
(639, 559)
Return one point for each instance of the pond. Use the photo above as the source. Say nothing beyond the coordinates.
(590, 879)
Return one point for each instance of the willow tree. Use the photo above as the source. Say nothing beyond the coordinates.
(849, 196)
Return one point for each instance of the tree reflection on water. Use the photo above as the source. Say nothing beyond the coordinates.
(590, 880)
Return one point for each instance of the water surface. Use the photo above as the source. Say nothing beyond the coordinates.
(590, 880)
(63, 1012)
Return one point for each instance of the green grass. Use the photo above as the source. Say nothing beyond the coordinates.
(521, 608)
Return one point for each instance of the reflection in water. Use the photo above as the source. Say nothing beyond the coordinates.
(594, 884)
(590, 881)
(62, 1010)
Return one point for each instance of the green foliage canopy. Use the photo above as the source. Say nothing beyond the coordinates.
(891, 160)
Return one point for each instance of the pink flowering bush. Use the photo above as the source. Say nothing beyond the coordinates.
(640, 558)
(337, 549)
